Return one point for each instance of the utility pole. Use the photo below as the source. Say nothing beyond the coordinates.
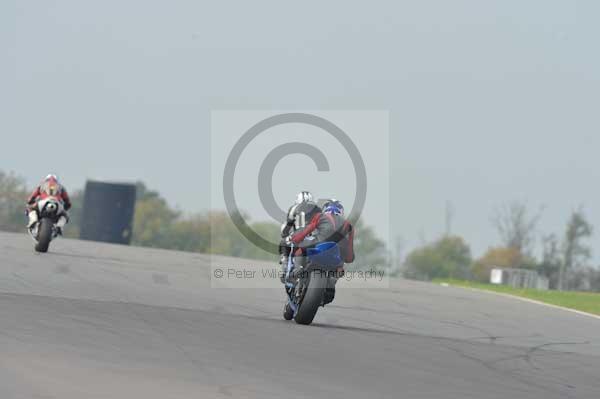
(399, 248)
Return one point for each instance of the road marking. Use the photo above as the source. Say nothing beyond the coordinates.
(525, 300)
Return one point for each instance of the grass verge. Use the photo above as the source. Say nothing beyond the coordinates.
(584, 301)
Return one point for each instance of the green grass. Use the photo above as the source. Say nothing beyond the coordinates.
(584, 301)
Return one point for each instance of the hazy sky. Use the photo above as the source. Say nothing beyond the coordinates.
(488, 101)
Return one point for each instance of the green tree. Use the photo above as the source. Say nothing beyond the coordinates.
(13, 194)
(226, 239)
(503, 257)
(152, 223)
(448, 257)
(190, 234)
(576, 253)
(516, 226)
(370, 251)
(270, 232)
(551, 260)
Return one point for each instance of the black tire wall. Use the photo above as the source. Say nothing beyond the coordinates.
(108, 210)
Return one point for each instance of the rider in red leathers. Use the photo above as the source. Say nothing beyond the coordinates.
(48, 187)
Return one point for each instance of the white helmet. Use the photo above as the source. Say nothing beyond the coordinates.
(51, 177)
(304, 196)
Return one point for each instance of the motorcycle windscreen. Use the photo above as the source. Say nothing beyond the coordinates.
(326, 255)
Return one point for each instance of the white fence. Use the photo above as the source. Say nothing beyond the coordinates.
(519, 278)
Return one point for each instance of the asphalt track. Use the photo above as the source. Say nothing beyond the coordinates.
(91, 320)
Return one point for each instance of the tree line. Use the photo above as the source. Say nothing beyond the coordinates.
(565, 258)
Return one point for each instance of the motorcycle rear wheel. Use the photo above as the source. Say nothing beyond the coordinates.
(313, 298)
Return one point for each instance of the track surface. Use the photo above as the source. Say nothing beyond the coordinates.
(91, 320)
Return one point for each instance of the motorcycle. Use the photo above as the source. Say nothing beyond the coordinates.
(311, 286)
(45, 230)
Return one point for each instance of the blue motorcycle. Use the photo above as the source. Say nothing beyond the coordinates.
(313, 284)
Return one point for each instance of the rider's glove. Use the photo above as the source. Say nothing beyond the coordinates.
(288, 240)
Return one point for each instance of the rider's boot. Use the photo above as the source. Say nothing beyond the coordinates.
(283, 262)
(330, 290)
(33, 219)
(60, 224)
(288, 313)
(329, 294)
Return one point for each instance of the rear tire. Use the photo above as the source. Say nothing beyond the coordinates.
(313, 298)
(44, 235)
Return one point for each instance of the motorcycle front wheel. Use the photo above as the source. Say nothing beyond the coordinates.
(44, 235)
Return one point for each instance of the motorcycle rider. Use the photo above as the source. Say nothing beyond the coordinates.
(50, 186)
(303, 210)
(328, 225)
